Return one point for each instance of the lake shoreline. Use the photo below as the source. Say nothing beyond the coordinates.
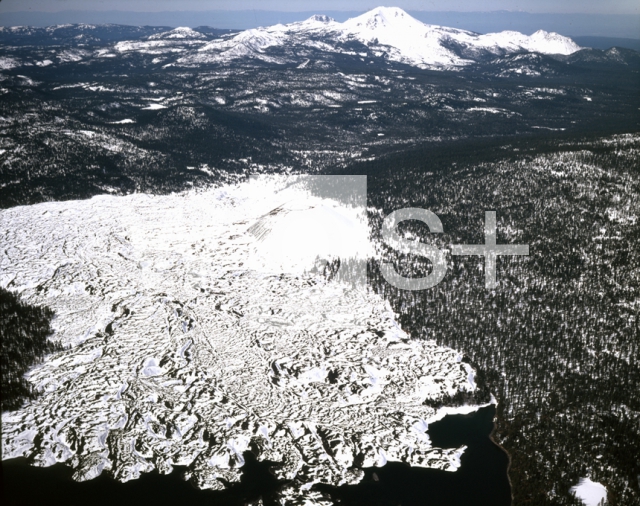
(493, 439)
(481, 478)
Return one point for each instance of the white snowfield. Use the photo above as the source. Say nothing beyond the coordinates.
(389, 31)
(182, 349)
(590, 492)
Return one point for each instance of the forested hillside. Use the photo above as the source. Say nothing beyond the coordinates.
(558, 340)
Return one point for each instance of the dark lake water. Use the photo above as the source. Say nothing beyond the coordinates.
(481, 480)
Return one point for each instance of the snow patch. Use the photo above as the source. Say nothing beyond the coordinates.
(591, 493)
(154, 107)
(7, 63)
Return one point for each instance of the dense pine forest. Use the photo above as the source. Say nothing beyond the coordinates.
(558, 340)
(24, 332)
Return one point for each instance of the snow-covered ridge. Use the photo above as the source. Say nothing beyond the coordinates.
(181, 32)
(396, 34)
(181, 351)
(384, 33)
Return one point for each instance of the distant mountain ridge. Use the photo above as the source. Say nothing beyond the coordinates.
(607, 42)
(383, 36)
(391, 32)
(601, 25)
(93, 34)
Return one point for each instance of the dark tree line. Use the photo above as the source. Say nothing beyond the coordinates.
(24, 333)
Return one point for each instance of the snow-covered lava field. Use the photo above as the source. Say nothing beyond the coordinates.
(183, 348)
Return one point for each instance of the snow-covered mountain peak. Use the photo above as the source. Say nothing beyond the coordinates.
(390, 20)
(409, 40)
(387, 31)
(316, 23)
(320, 18)
(182, 32)
(383, 17)
(552, 42)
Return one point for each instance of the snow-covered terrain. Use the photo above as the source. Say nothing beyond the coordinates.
(387, 31)
(182, 32)
(8, 63)
(590, 492)
(183, 349)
